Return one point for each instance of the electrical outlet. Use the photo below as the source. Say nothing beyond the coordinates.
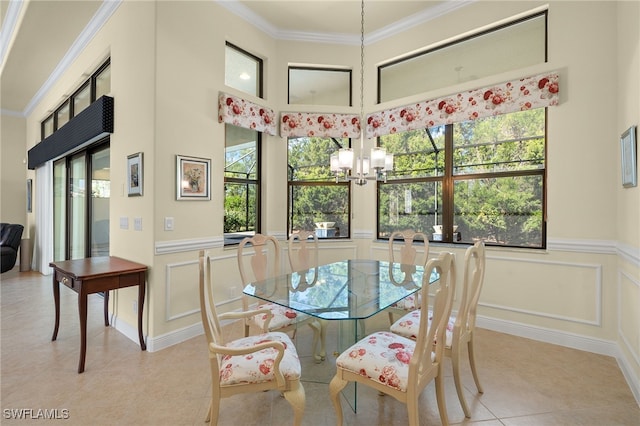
(135, 306)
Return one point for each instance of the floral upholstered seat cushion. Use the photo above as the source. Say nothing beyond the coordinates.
(409, 326)
(382, 356)
(258, 366)
(409, 303)
(282, 317)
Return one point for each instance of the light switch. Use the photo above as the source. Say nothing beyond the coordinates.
(137, 223)
(168, 224)
(124, 223)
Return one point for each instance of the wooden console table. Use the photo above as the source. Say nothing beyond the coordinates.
(94, 275)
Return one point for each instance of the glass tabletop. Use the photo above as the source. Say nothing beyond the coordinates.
(347, 289)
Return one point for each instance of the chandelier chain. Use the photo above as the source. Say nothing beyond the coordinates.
(362, 65)
(342, 161)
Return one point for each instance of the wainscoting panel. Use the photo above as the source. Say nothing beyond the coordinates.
(182, 291)
(560, 290)
(181, 285)
(629, 313)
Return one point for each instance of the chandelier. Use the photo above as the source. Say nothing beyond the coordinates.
(379, 163)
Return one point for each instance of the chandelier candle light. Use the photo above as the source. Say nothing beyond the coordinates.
(342, 160)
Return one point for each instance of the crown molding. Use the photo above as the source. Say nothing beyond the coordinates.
(397, 27)
(414, 20)
(13, 15)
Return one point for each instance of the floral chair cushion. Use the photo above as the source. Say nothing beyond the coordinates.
(282, 317)
(257, 367)
(409, 326)
(409, 303)
(383, 357)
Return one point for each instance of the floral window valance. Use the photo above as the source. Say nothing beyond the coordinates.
(298, 124)
(246, 114)
(511, 96)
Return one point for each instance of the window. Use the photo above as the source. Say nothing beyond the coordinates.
(96, 86)
(102, 81)
(316, 201)
(511, 46)
(62, 115)
(241, 183)
(243, 71)
(482, 179)
(242, 175)
(47, 127)
(81, 99)
(317, 86)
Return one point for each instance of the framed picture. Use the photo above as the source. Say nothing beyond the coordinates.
(629, 159)
(192, 178)
(134, 175)
(29, 188)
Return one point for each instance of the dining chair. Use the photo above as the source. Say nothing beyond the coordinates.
(258, 259)
(303, 256)
(399, 366)
(407, 257)
(461, 326)
(248, 364)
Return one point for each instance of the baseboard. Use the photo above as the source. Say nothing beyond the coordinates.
(158, 343)
(570, 340)
(173, 338)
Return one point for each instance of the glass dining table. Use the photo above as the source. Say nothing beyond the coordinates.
(346, 292)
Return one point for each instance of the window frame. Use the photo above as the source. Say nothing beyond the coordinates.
(230, 240)
(96, 75)
(84, 86)
(448, 180)
(87, 154)
(329, 182)
(260, 69)
(349, 73)
(496, 28)
(70, 101)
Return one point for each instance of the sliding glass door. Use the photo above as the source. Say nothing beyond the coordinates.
(99, 202)
(81, 204)
(77, 206)
(60, 210)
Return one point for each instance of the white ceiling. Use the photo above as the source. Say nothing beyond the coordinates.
(39, 38)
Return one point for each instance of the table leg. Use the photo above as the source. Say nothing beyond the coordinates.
(347, 336)
(106, 308)
(56, 300)
(141, 291)
(82, 309)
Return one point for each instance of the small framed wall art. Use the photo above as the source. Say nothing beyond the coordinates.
(629, 157)
(134, 175)
(192, 178)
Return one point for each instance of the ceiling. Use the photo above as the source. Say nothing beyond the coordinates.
(38, 39)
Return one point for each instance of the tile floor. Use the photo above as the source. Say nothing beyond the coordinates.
(525, 382)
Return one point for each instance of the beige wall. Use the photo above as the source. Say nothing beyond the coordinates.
(13, 171)
(168, 67)
(628, 199)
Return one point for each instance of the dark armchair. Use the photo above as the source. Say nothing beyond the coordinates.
(10, 236)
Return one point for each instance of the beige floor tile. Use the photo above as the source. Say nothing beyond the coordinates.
(525, 382)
